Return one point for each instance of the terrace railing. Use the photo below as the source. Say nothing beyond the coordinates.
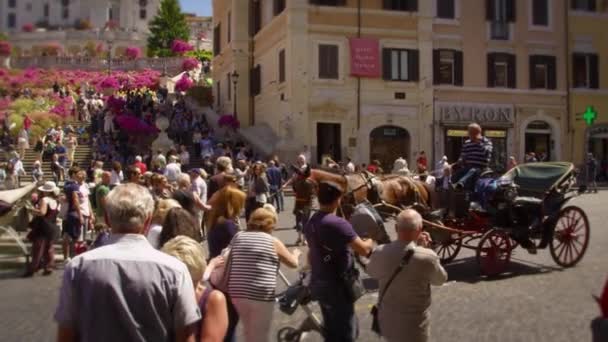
(172, 65)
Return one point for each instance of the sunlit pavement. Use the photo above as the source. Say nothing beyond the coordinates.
(535, 301)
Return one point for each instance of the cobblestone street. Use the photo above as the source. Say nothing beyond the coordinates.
(535, 301)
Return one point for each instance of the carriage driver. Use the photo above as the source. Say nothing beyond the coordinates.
(475, 156)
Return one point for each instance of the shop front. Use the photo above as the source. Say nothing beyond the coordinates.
(596, 143)
(497, 122)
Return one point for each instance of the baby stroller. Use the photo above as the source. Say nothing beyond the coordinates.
(297, 294)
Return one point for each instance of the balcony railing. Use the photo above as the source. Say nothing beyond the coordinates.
(172, 65)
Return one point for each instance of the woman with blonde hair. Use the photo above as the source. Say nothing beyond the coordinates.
(252, 275)
(223, 219)
(212, 303)
(158, 218)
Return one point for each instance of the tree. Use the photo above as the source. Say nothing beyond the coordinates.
(168, 25)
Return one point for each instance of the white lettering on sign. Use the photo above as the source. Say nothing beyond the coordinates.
(481, 113)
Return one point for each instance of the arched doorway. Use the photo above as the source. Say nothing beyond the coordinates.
(387, 143)
(538, 140)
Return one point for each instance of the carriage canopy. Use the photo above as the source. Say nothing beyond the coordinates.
(535, 179)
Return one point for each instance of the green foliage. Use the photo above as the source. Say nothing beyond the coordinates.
(3, 36)
(25, 106)
(168, 25)
(37, 109)
(201, 55)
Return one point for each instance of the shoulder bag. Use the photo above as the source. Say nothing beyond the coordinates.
(374, 312)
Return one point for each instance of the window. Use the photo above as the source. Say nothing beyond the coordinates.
(229, 27)
(542, 72)
(328, 61)
(500, 13)
(401, 5)
(110, 14)
(256, 17)
(400, 64)
(328, 2)
(229, 86)
(218, 90)
(45, 10)
(65, 13)
(446, 9)
(585, 70)
(281, 66)
(216, 40)
(12, 20)
(447, 67)
(256, 80)
(143, 14)
(12, 3)
(143, 3)
(540, 12)
(28, 7)
(65, 3)
(501, 70)
(584, 5)
(279, 6)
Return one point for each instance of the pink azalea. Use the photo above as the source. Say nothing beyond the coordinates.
(133, 52)
(109, 82)
(184, 83)
(180, 47)
(5, 48)
(190, 63)
(228, 120)
(28, 27)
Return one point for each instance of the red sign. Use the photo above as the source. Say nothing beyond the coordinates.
(364, 57)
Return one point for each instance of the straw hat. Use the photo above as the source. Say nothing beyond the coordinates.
(48, 187)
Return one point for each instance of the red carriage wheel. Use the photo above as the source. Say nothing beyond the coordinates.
(571, 237)
(494, 252)
(445, 244)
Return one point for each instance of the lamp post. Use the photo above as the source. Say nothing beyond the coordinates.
(109, 42)
(235, 79)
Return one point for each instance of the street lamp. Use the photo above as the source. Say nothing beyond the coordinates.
(235, 79)
(109, 42)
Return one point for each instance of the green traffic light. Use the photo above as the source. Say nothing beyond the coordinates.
(590, 115)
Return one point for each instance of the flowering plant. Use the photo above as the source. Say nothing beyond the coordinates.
(111, 24)
(28, 27)
(52, 49)
(109, 83)
(184, 83)
(133, 52)
(5, 48)
(228, 120)
(180, 47)
(190, 63)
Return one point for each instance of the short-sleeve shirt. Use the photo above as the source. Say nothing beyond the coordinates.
(69, 188)
(329, 238)
(101, 191)
(60, 151)
(126, 291)
(220, 235)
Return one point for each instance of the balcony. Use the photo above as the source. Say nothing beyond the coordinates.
(499, 30)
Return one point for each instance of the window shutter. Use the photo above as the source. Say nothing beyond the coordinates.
(413, 65)
(281, 66)
(533, 61)
(256, 80)
(436, 55)
(341, 2)
(322, 61)
(386, 4)
(551, 72)
(315, 2)
(511, 9)
(216, 40)
(491, 76)
(386, 64)
(593, 71)
(591, 4)
(490, 10)
(458, 68)
(512, 71)
(333, 62)
(575, 59)
(412, 5)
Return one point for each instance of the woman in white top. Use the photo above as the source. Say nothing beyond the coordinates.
(162, 208)
(116, 174)
(252, 274)
(70, 145)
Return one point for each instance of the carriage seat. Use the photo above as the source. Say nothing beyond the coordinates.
(436, 215)
(528, 200)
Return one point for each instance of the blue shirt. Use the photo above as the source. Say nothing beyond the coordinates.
(476, 153)
(274, 177)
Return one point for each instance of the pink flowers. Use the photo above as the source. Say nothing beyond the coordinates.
(190, 63)
(109, 83)
(63, 107)
(133, 53)
(28, 27)
(5, 48)
(180, 47)
(228, 120)
(184, 83)
(52, 49)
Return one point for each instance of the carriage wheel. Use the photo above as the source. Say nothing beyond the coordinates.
(445, 244)
(571, 237)
(288, 334)
(494, 252)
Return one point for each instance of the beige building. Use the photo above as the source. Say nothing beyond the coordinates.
(422, 72)
(201, 31)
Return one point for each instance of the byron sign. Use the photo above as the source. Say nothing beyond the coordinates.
(364, 57)
(473, 112)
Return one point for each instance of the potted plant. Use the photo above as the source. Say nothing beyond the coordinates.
(5, 54)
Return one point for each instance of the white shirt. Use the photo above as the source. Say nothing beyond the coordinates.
(154, 235)
(116, 178)
(172, 171)
(200, 188)
(184, 157)
(85, 205)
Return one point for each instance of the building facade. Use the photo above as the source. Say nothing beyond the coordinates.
(201, 31)
(131, 15)
(588, 70)
(441, 64)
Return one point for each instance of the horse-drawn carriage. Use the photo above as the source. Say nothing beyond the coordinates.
(527, 207)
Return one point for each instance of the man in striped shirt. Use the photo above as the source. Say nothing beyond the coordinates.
(475, 156)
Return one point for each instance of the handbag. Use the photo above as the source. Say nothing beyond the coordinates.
(375, 309)
(352, 283)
